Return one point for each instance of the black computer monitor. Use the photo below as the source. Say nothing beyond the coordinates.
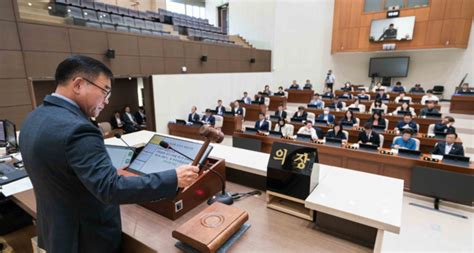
(312, 106)
(354, 109)
(250, 130)
(333, 141)
(440, 135)
(213, 111)
(409, 153)
(303, 137)
(297, 120)
(378, 129)
(327, 96)
(377, 110)
(320, 122)
(10, 134)
(402, 113)
(436, 115)
(180, 122)
(276, 134)
(3, 138)
(401, 101)
(274, 118)
(368, 147)
(456, 160)
(363, 98)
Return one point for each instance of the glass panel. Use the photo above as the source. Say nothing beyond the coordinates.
(202, 11)
(418, 3)
(373, 5)
(196, 11)
(189, 10)
(389, 3)
(175, 7)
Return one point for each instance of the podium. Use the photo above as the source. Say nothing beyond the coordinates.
(206, 185)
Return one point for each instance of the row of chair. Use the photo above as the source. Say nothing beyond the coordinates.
(208, 35)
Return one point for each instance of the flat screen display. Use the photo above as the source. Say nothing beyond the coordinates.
(121, 156)
(154, 158)
(392, 29)
(10, 133)
(389, 66)
(2, 133)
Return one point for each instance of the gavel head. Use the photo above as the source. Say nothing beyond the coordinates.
(211, 134)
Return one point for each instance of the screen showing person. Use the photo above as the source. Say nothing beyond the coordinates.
(155, 158)
(119, 155)
(392, 29)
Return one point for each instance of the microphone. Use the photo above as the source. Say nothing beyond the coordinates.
(222, 197)
(119, 136)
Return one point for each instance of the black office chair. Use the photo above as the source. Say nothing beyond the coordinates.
(438, 90)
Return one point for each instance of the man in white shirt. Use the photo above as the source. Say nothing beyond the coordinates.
(246, 98)
(308, 129)
(330, 80)
(429, 97)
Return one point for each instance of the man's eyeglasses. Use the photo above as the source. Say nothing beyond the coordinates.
(107, 93)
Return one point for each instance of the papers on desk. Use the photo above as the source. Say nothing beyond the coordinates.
(15, 187)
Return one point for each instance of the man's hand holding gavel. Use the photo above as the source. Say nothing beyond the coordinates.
(186, 175)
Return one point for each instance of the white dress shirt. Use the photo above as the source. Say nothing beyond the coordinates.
(311, 131)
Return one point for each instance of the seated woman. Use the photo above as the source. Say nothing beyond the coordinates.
(403, 109)
(377, 120)
(347, 87)
(349, 119)
(379, 106)
(336, 132)
(283, 128)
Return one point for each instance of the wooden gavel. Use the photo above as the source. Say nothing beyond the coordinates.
(210, 134)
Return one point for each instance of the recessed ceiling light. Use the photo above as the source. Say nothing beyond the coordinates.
(30, 4)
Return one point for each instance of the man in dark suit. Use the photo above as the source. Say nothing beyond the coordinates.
(368, 136)
(445, 126)
(77, 189)
(280, 112)
(300, 115)
(220, 109)
(116, 121)
(237, 110)
(140, 116)
(260, 99)
(129, 121)
(208, 118)
(262, 124)
(407, 122)
(326, 116)
(449, 147)
(193, 116)
(389, 33)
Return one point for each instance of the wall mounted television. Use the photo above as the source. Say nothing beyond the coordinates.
(392, 29)
(389, 66)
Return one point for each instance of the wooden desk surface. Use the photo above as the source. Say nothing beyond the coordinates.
(414, 96)
(270, 230)
(391, 106)
(462, 104)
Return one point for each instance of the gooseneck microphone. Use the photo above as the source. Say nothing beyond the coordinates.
(223, 197)
(119, 136)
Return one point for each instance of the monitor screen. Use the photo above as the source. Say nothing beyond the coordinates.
(2, 133)
(154, 158)
(121, 156)
(389, 66)
(10, 133)
(392, 29)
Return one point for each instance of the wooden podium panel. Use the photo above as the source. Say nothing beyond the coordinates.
(462, 104)
(275, 101)
(211, 228)
(252, 111)
(205, 186)
(232, 124)
(300, 96)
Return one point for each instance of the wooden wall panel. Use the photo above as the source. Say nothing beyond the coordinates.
(361, 165)
(234, 66)
(223, 66)
(16, 114)
(433, 34)
(454, 9)
(173, 49)
(356, 13)
(152, 65)
(125, 66)
(467, 9)
(173, 65)
(123, 44)
(42, 89)
(14, 92)
(6, 10)
(397, 172)
(11, 64)
(193, 65)
(9, 36)
(150, 46)
(192, 50)
(42, 64)
(437, 9)
(419, 34)
(209, 67)
(88, 42)
(44, 38)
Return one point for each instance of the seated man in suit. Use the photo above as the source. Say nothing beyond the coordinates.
(368, 136)
(294, 86)
(362, 95)
(220, 109)
(300, 115)
(326, 116)
(406, 141)
(262, 124)
(381, 95)
(328, 93)
(247, 100)
(266, 91)
(464, 89)
(130, 123)
(417, 89)
(449, 147)
(338, 104)
(140, 116)
(445, 126)
(308, 85)
(208, 119)
(316, 101)
(280, 112)
(308, 129)
(398, 87)
(429, 97)
(406, 123)
(260, 99)
(193, 116)
(116, 121)
(237, 110)
(430, 108)
(280, 92)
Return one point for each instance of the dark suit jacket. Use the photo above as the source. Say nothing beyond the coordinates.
(302, 117)
(139, 118)
(330, 118)
(374, 138)
(211, 120)
(279, 93)
(77, 189)
(239, 111)
(260, 100)
(340, 135)
(195, 118)
(221, 111)
(442, 128)
(283, 114)
(262, 127)
(128, 125)
(440, 148)
(113, 123)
